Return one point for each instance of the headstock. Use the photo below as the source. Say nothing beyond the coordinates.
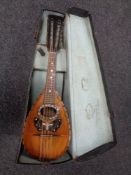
(55, 33)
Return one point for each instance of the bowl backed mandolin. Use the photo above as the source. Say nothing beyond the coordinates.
(46, 133)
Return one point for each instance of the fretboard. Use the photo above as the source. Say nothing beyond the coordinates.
(50, 79)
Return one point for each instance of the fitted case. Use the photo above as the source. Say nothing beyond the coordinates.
(80, 83)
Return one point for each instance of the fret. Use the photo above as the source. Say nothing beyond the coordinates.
(50, 80)
(53, 43)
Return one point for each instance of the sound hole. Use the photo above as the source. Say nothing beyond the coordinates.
(48, 111)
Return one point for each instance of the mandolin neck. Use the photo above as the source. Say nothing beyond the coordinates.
(50, 79)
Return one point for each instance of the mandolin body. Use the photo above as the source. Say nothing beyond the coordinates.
(46, 145)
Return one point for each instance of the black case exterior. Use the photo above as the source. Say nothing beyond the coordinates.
(105, 147)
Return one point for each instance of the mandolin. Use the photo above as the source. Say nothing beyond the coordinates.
(46, 134)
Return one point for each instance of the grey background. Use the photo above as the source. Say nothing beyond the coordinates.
(112, 24)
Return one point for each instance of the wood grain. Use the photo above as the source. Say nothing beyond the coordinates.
(52, 147)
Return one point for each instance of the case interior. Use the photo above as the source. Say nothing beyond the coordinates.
(79, 82)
